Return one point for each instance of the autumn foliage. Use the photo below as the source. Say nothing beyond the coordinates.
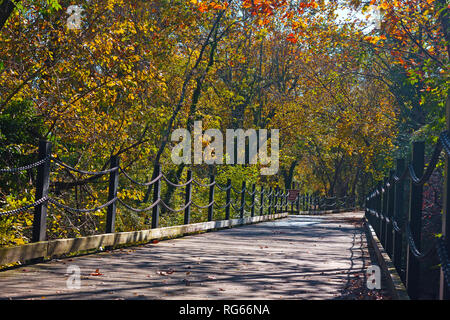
(340, 92)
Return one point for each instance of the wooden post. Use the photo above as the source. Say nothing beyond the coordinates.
(188, 198)
(415, 220)
(211, 197)
(112, 193)
(156, 196)
(242, 200)
(228, 199)
(42, 184)
(398, 215)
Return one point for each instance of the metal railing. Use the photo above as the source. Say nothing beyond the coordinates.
(314, 204)
(263, 201)
(385, 212)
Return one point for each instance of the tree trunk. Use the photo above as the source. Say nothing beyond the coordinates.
(289, 174)
(6, 8)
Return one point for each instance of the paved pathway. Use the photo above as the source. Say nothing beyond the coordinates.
(300, 257)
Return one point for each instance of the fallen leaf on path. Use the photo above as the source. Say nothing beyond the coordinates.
(96, 273)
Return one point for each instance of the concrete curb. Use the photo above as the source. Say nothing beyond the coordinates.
(59, 247)
(394, 282)
(323, 212)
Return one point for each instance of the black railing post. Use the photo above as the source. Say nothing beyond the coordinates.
(156, 196)
(188, 198)
(379, 207)
(275, 200)
(286, 202)
(270, 200)
(373, 202)
(415, 221)
(444, 290)
(228, 200)
(279, 200)
(390, 214)
(261, 201)
(398, 217)
(314, 203)
(383, 212)
(368, 206)
(212, 179)
(42, 184)
(112, 194)
(293, 187)
(253, 200)
(307, 203)
(242, 200)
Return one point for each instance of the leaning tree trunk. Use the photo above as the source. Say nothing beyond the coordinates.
(288, 175)
(6, 8)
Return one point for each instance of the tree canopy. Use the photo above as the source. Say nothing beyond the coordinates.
(347, 96)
